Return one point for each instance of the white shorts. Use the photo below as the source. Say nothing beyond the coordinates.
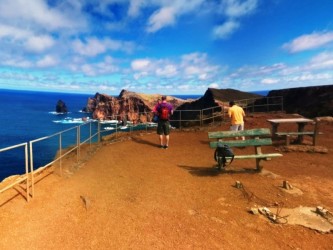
(237, 127)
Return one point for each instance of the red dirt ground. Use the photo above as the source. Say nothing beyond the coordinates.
(134, 195)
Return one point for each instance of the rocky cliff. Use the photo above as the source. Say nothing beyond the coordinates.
(128, 105)
(307, 101)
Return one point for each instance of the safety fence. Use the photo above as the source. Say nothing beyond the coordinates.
(59, 145)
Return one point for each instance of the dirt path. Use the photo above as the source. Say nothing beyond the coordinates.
(134, 195)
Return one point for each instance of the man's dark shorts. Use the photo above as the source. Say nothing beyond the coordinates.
(163, 128)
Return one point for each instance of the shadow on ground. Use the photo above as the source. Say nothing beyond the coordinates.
(213, 171)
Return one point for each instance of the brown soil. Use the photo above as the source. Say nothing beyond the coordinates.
(134, 195)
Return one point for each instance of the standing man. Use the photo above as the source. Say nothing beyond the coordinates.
(164, 110)
(237, 114)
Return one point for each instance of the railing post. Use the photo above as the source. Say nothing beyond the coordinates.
(60, 153)
(27, 170)
(99, 131)
(32, 170)
(180, 119)
(78, 143)
(90, 132)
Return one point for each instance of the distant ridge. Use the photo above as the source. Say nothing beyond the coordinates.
(226, 95)
(217, 97)
(308, 101)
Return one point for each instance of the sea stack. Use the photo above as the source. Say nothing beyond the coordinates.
(61, 107)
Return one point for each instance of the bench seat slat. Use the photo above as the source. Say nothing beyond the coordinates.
(243, 143)
(255, 156)
(250, 132)
(262, 156)
(295, 133)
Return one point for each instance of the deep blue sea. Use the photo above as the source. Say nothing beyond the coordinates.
(28, 115)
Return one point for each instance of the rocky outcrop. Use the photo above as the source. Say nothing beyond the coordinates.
(212, 101)
(307, 101)
(217, 98)
(128, 105)
(61, 107)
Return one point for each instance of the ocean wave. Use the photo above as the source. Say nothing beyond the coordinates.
(70, 120)
(110, 122)
(109, 128)
(58, 113)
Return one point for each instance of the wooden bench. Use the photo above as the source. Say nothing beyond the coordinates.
(300, 134)
(254, 138)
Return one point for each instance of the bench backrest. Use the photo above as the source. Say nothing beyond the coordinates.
(243, 143)
(227, 137)
(258, 132)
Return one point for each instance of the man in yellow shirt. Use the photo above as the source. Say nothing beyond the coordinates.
(237, 114)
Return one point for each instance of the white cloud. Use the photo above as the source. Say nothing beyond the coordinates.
(226, 29)
(39, 43)
(134, 9)
(93, 46)
(7, 31)
(269, 81)
(140, 64)
(190, 67)
(238, 8)
(107, 66)
(309, 42)
(233, 10)
(18, 62)
(192, 70)
(168, 11)
(322, 61)
(47, 61)
(161, 18)
(39, 14)
(312, 77)
(167, 71)
(214, 85)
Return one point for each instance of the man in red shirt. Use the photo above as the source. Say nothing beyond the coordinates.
(164, 110)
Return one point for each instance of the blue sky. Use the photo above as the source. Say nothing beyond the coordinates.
(165, 46)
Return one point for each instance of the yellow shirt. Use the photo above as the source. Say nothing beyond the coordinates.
(236, 114)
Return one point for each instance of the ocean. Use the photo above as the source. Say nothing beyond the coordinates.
(29, 115)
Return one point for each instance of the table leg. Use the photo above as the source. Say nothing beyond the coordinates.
(274, 130)
(300, 129)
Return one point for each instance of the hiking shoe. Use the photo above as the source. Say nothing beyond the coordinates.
(166, 146)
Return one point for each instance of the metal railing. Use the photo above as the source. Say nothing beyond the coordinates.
(266, 104)
(21, 178)
(73, 138)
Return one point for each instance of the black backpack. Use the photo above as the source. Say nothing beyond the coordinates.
(222, 151)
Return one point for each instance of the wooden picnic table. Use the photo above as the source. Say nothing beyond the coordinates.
(301, 123)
